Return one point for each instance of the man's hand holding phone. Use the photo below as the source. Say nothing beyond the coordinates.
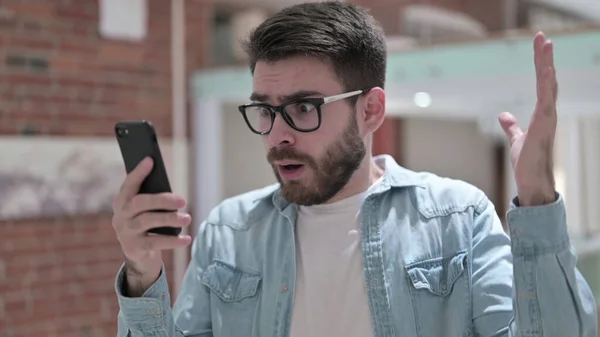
(134, 215)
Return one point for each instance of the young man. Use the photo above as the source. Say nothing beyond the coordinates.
(347, 244)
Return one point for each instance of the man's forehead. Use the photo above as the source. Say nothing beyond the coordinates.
(291, 79)
(293, 70)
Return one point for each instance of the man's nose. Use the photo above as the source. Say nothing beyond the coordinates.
(281, 134)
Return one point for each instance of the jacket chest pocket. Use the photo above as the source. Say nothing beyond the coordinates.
(440, 293)
(233, 300)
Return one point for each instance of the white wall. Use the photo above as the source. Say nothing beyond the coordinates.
(590, 128)
(244, 159)
(577, 164)
(454, 149)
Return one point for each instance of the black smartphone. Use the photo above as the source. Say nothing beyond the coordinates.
(137, 140)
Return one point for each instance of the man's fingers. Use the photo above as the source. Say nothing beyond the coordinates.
(152, 202)
(544, 87)
(149, 220)
(538, 54)
(546, 98)
(548, 53)
(546, 83)
(548, 50)
(133, 181)
(510, 126)
(164, 242)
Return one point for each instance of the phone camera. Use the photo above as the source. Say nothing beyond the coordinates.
(122, 132)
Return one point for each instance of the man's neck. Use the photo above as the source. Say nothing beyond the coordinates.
(365, 176)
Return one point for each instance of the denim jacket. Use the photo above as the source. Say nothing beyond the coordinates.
(437, 263)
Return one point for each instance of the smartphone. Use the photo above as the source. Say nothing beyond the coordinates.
(137, 140)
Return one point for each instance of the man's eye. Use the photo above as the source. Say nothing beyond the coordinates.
(306, 107)
(302, 108)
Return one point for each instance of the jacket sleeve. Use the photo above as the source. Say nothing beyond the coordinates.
(528, 285)
(151, 315)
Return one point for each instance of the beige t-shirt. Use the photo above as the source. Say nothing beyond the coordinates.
(330, 296)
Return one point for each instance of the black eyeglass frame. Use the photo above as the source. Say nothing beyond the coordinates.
(273, 110)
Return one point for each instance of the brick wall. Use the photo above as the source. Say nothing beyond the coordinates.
(59, 77)
(57, 277)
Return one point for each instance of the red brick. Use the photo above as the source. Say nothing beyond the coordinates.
(67, 13)
(14, 306)
(121, 52)
(28, 42)
(27, 79)
(8, 24)
(83, 30)
(29, 8)
(64, 65)
(84, 48)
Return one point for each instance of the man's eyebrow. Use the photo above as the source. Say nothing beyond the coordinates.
(257, 97)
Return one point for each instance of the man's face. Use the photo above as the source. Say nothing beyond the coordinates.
(311, 167)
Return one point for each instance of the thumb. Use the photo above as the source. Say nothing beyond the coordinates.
(133, 182)
(511, 126)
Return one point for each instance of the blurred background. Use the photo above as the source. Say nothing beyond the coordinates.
(70, 69)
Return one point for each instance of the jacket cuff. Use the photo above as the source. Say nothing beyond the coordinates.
(148, 311)
(538, 230)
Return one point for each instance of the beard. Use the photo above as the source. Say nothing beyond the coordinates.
(330, 173)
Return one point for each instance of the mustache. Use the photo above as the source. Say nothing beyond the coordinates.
(288, 153)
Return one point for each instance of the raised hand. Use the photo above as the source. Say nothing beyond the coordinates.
(531, 151)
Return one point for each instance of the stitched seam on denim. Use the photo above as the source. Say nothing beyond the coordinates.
(521, 249)
(436, 260)
(238, 273)
(437, 212)
(373, 251)
(453, 274)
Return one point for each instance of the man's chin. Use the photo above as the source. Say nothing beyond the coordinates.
(296, 192)
(293, 186)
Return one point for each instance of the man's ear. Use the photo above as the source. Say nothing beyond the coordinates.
(371, 111)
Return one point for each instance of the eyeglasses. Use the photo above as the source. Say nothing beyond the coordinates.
(302, 115)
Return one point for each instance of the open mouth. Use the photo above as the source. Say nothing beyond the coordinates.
(290, 171)
(291, 168)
